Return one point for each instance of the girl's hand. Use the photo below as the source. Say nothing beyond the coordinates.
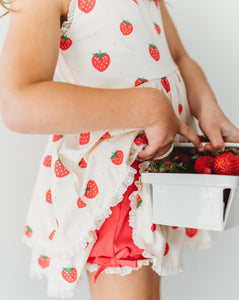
(217, 127)
(161, 134)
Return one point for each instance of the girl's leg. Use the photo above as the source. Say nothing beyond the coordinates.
(141, 284)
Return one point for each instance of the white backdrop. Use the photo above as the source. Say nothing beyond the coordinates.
(208, 30)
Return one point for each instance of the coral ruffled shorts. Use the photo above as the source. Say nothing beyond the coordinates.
(115, 246)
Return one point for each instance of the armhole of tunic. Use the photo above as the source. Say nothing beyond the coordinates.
(67, 23)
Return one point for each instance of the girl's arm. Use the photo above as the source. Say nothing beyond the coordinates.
(202, 101)
(31, 102)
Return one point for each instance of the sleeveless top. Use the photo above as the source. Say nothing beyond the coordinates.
(104, 44)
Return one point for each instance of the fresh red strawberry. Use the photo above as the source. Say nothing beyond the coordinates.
(126, 27)
(48, 196)
(106, 135)
(141, 139)
(84, 138)
(82, 163)
(165, 84)
(204, 164)
(51, 235)
(157, 27)
(180, 108)
(57, 137)
(44, 261)
(226, 163)
(182, 157)
(191, 232)
(153, 227)
(139, 200)
(80, 203)
(92, 189)
(86, 5)
(28, 231)
(60, 170)
(65, 42)
(100, 61)
(69, 274)
(154, 52)
(117, 157)
(166, 249)
(139, 81)
(47, 161)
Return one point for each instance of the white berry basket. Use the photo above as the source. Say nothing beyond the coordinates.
(194, 200)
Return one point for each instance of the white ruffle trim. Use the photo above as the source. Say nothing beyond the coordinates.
(66, 24)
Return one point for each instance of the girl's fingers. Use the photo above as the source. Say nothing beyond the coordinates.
(187, 132)
(216, 141)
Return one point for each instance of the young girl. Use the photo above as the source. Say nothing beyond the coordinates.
(127, 90)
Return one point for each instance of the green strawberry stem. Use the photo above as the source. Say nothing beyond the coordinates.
(68, 269)
(44, 257)
(114, 155)
(153, 46)
(99, 55)
(127, 23)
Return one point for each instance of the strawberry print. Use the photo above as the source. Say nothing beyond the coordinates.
(48, 196)
(117, 157)
(139, 200)
(82, 163)
(69, 274)
(179, 79)
(65, 42)
(44, 261)
(86, 6)
(92, 189)
(57, 223)
(57, 137)
(47, 161)
(153, 227)
(157, 27)
(191, 232)
(100, 61)
(154, 52)
(106, 135)
(28, 231)
(84, 138)
(126, 27)
(135, 1)
(165, 84)
(51, 235)
(141, 139)
(180, 108)
(87, 244)
(60, 170)
(174, 227)
(166, 249)
(156, 3)
(139, 81)
(80, 203)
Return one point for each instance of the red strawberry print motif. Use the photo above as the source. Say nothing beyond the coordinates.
(179, 79)
(174, 227)
(135, 1)
(165, 84)
(117, 157)
(28, 231)
(106, 135)
(154, 52)
(65, 42)
(57, 137)
(141, 139)
(180, 108)
(139, 200)
(92, 189)
(87, 244)
(191, 232)
(100, 61)
(44, 261)
(139, 81)
(153, 227)
(47, 161)
(60, 170)
(126, 27)
(57, 223)
(156, 3)
(157, 27)
(82, 163)
(80, 203)
(69, 274)
(48, 196)
(86, 5)
(166, 249)
(84, 138)
(51, 236)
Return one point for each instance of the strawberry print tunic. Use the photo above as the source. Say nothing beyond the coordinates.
(104, 44)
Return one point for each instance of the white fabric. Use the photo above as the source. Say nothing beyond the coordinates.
(63, 231)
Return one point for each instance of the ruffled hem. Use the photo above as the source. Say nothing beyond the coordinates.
(66, 24)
